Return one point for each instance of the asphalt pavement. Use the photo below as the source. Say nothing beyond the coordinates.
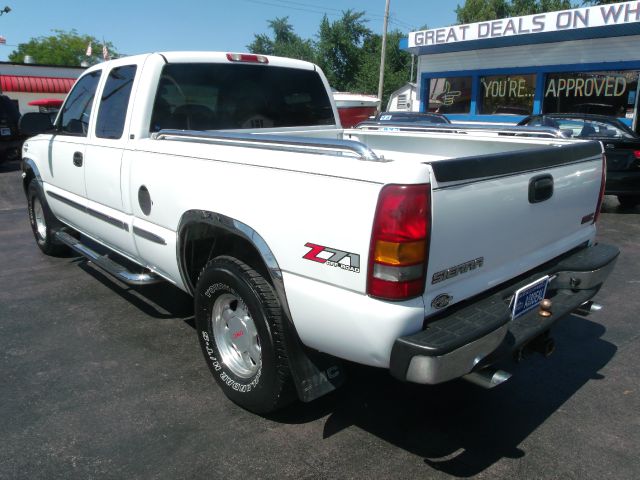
(102, 380)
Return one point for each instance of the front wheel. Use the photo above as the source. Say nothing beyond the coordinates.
(43, 222)
(240, 327)
(629, 201)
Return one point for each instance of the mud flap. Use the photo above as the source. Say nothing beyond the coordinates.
(314, 373)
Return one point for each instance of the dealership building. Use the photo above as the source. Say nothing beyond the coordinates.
(583, 60)
(26, 82)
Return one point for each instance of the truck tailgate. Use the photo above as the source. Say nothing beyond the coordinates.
(497, 216)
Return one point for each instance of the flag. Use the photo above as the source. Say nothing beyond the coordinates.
(105, 52)
(3, 41)
(89, 50)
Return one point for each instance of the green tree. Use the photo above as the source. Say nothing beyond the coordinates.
(397, 67)
(483, 10)
(63, 48)
(590, 3)
(347, 51)
(285, 42)
(532, 7)
(342, 48)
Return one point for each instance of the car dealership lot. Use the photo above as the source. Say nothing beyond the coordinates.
(102, 380)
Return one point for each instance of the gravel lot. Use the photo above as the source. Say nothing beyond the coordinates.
(102, 380)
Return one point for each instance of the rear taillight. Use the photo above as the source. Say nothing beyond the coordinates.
(399, 242)
(636, 154)
(247, 58)
(602, 188)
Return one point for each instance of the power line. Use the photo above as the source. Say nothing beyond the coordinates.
(337, 10)
(331, 12)
(401, 23)
(308, 10)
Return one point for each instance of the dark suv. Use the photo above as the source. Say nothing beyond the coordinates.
(10, 140)
(621, 145)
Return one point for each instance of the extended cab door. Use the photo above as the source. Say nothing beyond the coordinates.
(66, 191)
(110, 222)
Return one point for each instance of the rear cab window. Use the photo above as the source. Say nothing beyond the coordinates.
(210, 96)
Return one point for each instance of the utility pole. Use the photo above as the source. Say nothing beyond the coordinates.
(413, 58)
(382, 55)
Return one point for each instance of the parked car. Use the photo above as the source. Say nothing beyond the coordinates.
(48, 105)
(511, 110)
(412, 117)
(622, 147)
(9, 136)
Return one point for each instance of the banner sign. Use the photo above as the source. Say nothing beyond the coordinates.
(577, 18)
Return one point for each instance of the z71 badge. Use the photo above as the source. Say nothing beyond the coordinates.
(333, 257)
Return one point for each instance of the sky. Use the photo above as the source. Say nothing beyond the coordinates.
(140, 26)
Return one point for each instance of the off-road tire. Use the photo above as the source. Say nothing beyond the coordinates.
(260, 385)
(43, 223)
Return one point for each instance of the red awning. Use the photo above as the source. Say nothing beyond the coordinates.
(46, 102)
(16, 83)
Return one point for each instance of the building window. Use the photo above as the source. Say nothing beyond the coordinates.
(402, 101)
(606, 93)
(450, 95)
(507, 94)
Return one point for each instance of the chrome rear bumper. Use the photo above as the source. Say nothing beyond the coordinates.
(480, 332)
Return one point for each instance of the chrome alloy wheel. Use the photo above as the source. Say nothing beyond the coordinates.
(38, 217)
(236, 336)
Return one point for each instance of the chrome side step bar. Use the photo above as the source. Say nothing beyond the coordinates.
(107, 264)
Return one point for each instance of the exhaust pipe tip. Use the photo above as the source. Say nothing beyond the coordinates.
(488, 377)
(587, 308)
(548, 347)
(544, 345)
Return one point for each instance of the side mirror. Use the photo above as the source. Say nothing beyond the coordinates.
(34, 123)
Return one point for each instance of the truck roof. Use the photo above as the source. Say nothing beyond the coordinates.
(211, 57)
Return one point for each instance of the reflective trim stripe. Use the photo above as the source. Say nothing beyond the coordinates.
(152, 237)
(94, 213)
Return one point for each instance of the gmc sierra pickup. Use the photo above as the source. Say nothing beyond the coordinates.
(431, 254)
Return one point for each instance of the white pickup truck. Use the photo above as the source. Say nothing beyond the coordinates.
(432, 254)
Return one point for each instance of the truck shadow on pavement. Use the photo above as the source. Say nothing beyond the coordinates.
(161, 300)
(459, 428)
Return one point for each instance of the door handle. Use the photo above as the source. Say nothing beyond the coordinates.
(77, 159)
(540, 188)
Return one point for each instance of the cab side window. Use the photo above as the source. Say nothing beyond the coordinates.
(114, 102)
(76, 111)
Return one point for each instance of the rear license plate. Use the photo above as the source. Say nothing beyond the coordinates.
(5, 132)
(528, 297)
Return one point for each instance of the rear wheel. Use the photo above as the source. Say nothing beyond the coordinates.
(629, 201)
(43, 223)
(240, 328)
